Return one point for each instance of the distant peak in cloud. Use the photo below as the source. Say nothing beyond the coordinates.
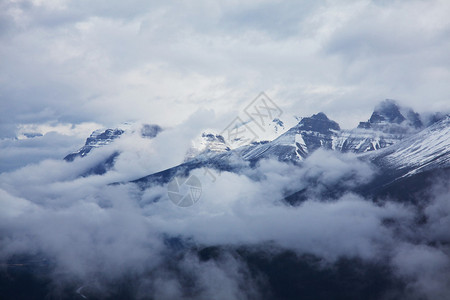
(387, 110)
(102, 137)
(320, 116)
(388, 113)
(150, 130)
(97, 139)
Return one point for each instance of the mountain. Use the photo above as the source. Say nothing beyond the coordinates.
(213, 142)
(407, 168)
(100, 138)
(428, 149)
(404, 171)
(97, 139)
(388, 125)
(392, 140)
(295, 144)
(208, 142)
(389, 117)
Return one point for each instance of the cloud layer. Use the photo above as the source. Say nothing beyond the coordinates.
(77, 61)
(95, 234)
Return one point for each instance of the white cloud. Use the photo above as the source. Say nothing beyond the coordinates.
(87, 227)
(75, 61)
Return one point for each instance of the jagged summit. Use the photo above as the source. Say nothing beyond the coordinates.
(97, 139)
(388, 125)
(311, 133)
(320, 116)
(102, 137)
(387, 111)
(388, 116)
(318, 123)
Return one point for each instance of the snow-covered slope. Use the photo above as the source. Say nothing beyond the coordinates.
(393, 138)
(208, 142)
(428, 149)
(213, 142)
(308, 135)
(362, 140)
(388, 125)
(412, 153)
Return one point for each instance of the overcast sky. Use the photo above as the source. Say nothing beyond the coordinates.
(67, 63)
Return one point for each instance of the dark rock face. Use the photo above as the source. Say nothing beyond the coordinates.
(278, 122)
(95, 140)
(387, 111)
(32, 134)
(295, 144)
(388, 117)
(100, 138)
(388, 125)
(316, 131)
(414, 119)
(318, 123)
(150, 130)
(103, 166)
(103, 138)
(209, 137)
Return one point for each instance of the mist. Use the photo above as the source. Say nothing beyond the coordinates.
(94, 234)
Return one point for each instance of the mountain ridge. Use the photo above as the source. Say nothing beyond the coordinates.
(388, 126)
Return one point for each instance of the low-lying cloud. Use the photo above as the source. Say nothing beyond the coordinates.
(95, 234)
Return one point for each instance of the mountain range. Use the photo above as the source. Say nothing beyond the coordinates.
(397, 141)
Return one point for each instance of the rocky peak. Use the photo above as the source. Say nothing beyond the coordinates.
(97, 139)
(387, 111)
(100, 137)
(388, 116)
(318, 123)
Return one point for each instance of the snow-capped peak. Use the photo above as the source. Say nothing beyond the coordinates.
(214, 142)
